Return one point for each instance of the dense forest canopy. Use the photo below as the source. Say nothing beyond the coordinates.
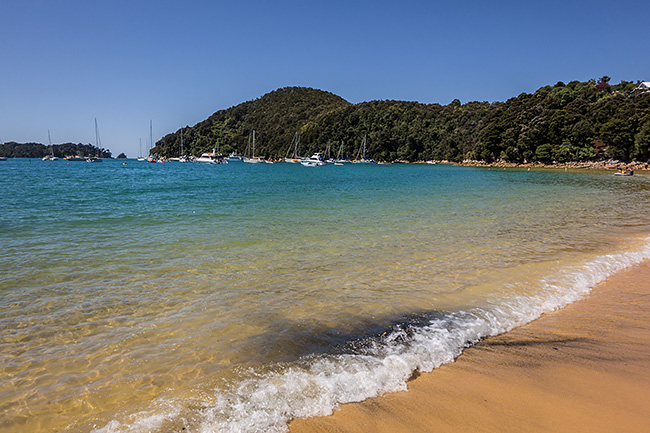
(12, 149)
(578, 121)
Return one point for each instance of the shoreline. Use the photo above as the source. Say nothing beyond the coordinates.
(583, 368)
(587, 165)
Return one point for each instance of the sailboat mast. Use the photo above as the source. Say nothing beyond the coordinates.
(150, 135)
(296, 150)
(96, 134)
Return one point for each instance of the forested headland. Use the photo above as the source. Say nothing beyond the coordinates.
(12, 149)
(578, 121)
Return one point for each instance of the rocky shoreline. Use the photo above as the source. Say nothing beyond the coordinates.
(593, 165)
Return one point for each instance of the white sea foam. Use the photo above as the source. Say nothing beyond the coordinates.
(147, 421)
(317, 385)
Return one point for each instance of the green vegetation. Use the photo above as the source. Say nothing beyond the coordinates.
(276, 117)
(12, 149)
(578, 121)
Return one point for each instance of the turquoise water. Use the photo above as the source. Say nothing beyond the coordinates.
(149, 297)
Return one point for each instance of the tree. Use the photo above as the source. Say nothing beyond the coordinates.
(603, 83)
(618, 134)
(642, 143)
(543, 152)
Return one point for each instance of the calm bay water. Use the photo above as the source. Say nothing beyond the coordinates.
(155, 297)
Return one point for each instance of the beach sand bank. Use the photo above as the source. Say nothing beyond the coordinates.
(585, 368)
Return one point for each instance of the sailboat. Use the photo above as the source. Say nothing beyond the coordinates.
(295, 143)
(51, 156)
(141, 158)
(250, 158)
(328, 156)
(97, 144)
(363, 159)
(152, 158)
(182, 157)
(338, 160)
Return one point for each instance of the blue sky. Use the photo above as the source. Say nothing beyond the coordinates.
(125, 63)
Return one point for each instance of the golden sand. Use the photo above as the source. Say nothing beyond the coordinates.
(585, 368)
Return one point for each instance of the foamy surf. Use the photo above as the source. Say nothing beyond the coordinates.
(316, 385)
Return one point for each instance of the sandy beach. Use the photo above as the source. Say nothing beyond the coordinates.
(585, 368)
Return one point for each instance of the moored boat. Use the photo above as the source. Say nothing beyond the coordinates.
(208, 158)
(234, 157)
(362, 152)
(213, 157)
(51, 156)
(314, 161)
(98, 144)
(252, 159)
(295, 146)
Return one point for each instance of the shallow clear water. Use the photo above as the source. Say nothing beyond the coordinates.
(148, 297)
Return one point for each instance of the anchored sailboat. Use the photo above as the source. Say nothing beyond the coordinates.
(339, 160)
(363, 159)
(141, 158)
(151, 157)
(295, 143)
(97, 144)
(250, 157)
(51, 156)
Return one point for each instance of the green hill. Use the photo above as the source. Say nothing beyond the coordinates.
(590, 120)
(276, 117)
(11, 149)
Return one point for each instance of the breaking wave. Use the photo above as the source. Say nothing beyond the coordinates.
(317, 384)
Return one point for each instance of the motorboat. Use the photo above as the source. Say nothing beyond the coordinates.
(235, 157)
(211, 158)
(313, 161)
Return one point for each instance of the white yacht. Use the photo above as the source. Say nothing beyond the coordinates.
(235, 157)
(313, 161)
(210, 158)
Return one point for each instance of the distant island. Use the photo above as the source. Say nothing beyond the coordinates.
(578, 121)
(12, 149)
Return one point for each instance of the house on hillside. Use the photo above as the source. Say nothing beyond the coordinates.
(644, 86)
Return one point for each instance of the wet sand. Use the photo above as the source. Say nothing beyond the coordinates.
(585, 368)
